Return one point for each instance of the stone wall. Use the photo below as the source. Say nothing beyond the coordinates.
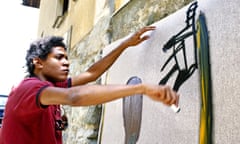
(84, 121)
(139, 13)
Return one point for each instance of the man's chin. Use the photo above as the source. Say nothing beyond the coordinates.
(60, 79)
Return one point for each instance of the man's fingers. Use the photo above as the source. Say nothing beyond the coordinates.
(170, 97)
(145, 29)
(145, 37)
(148, 28)
(177, 100)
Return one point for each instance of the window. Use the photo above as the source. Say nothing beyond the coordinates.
(65, 6)
(61, 9)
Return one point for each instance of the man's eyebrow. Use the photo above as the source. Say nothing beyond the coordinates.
(61, 55)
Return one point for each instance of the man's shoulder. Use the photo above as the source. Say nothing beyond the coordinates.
(31, 82)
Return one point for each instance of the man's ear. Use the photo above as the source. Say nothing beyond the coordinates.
(37, 63)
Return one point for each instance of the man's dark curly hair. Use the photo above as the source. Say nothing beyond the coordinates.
(40, 49)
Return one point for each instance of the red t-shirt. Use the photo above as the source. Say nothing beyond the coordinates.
(26, 121)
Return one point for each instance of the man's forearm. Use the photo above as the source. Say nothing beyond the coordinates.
(106, 62)
(98, 94)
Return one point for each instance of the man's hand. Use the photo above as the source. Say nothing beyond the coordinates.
(162, 93)
(137, 37)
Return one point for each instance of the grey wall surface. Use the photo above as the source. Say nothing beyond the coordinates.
(160, 125)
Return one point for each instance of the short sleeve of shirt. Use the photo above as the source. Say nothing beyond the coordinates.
(26, 95)
(23, 97)
(63, 84)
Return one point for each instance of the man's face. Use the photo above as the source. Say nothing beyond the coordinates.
(56, 66)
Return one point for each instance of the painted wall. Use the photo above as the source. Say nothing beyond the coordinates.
(160, 125)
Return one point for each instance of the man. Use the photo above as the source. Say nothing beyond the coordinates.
(32, 114)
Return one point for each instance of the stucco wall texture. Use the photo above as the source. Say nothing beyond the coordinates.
(160, 125)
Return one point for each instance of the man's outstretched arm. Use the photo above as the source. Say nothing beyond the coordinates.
(98, 68)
